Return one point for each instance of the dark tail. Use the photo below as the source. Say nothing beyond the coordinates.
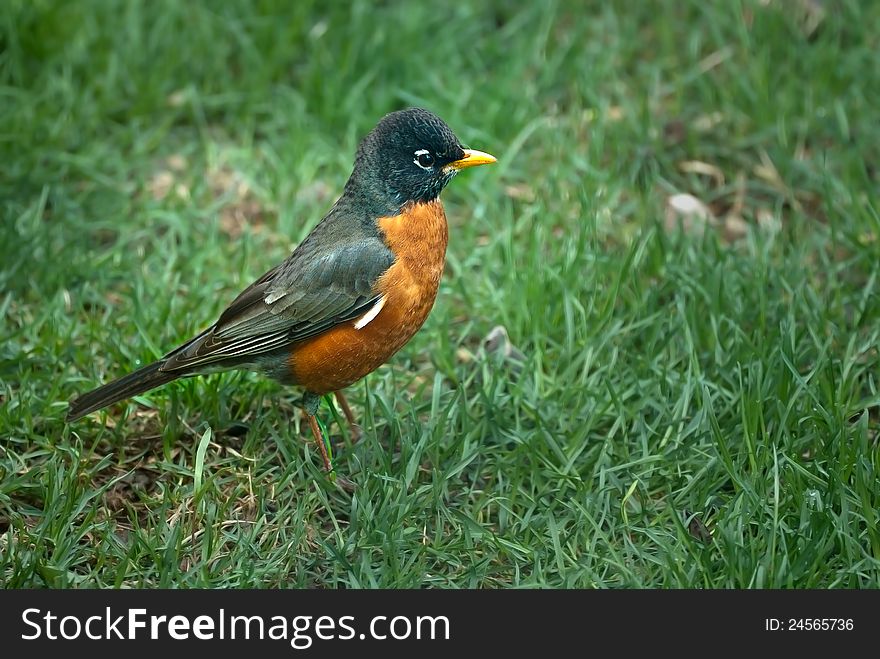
(143, 379)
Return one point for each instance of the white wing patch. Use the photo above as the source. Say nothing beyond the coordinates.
(368, 317)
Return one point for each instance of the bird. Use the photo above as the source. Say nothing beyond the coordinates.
(350, 295)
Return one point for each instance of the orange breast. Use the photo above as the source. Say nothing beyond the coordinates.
(341, 356)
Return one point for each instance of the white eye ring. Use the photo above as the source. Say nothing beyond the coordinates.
(419, 156)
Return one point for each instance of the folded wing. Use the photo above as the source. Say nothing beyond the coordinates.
(317, 288)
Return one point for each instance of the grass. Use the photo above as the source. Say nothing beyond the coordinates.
(692, 402)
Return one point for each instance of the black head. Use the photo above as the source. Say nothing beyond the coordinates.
(409, 156)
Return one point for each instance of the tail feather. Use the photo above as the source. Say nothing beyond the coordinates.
(143, 379)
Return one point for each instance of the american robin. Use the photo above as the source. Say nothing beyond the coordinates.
(351, 294)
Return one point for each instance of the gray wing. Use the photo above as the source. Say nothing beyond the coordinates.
(314, 290)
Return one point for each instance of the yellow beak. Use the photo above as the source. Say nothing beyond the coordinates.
(472, 158)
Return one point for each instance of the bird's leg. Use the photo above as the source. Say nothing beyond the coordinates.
(311, 402)
(354, 428)
(310, 408)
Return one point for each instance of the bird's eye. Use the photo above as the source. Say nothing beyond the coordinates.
(424, 159)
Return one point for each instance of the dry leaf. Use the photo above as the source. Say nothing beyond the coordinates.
(768, 221)
(176, 162)
(615, 113)
(520, 192)
(697, 528)
(735, 228)
(706, 122)
(686, 211)
(497, 342)
(243, 209)
(160, 185)
(176, 99)
(702, 168)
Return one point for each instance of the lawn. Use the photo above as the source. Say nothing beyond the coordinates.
(681, 239)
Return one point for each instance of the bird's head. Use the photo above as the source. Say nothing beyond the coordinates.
(409, 157)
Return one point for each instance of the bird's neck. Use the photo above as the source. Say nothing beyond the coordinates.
(370, 198)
